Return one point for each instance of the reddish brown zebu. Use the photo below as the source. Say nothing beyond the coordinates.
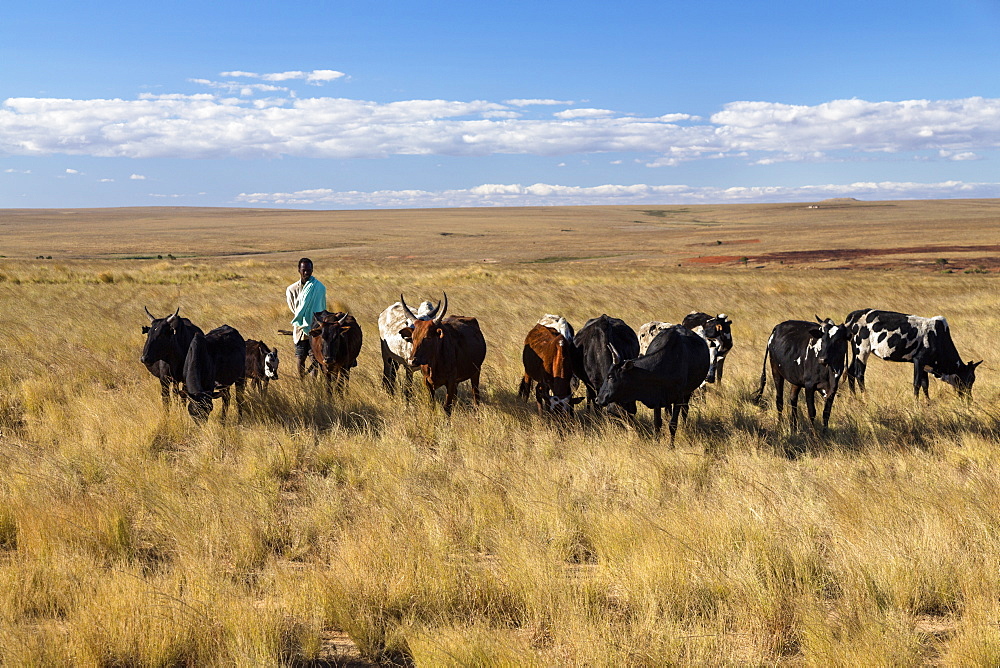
(548, 361)
(448, 351)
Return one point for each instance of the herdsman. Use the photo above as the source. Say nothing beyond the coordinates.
(305, 297)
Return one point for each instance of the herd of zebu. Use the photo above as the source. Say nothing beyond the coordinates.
(661, 366)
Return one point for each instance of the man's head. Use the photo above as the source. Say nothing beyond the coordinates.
(305, 269)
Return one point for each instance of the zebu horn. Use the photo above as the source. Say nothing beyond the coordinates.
(340, 321)
(615, 359)
(174, 316)
(151, 316)
(439, 316)
(407, 308)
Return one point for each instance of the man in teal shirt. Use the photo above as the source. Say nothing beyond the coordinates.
(305, 297)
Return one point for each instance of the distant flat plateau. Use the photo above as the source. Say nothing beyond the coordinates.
(836, 234)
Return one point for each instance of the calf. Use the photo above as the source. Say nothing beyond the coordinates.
(166, 347)
(336, 342)
(448, 351)
(717, 332)
(395, 349)
(808, 355)
(673, 367)
(262, 365)
(599, 340)
(215, 362)
(548, 356)
(897, 337)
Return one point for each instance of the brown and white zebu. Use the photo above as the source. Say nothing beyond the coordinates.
(335, 339)
(448, 351)
(395, 349)
(550, 359)
(262, 365)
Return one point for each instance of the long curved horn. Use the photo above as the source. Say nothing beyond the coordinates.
(615, 359)
(174, 316)
(151, 316)
(407, 308)
(444, 309)
(340, 321)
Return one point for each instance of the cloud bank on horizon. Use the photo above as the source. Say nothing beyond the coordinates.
(543, 194)
(208, 125)
(263, 116)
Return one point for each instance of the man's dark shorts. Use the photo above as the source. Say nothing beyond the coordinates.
(302, 348)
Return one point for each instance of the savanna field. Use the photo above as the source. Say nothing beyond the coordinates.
(363, 529)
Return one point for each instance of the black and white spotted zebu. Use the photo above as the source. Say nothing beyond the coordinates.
(898, 337)
(810, 356)
(718, 334)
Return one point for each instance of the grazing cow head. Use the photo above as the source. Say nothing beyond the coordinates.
(615, 389)
(563, 403)
(964, 378)
(161, 337)
(829, 343)
(425, 333)
(332, 331)
(271, 364)
(199, 406)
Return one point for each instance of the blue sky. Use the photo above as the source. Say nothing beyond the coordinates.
(372, 104)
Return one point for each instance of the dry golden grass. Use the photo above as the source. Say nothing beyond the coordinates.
(130, 536)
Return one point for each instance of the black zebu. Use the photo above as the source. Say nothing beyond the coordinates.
(898, 337)
(674, 366)
(335, 339)
(810, 356)
(166, 347)
(215, 361)
(595, 342)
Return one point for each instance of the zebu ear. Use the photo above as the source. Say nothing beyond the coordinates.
(145, 329)
(407, 334)
(973, 365)
(816, 333)
(628, 364)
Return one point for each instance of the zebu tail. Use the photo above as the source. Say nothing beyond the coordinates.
(759, 394)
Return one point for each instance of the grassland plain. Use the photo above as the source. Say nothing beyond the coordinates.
(365, 529)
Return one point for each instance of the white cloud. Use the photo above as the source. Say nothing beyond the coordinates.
(106, 181)
(316, 77)
(137, 177)
(17, 171)
(72, 171)
(207, 125)
(540, 194)
(584, 113)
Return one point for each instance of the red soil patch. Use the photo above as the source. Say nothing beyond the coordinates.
(852, 256)
(794, 257)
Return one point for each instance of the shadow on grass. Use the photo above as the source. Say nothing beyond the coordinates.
(314, 409)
